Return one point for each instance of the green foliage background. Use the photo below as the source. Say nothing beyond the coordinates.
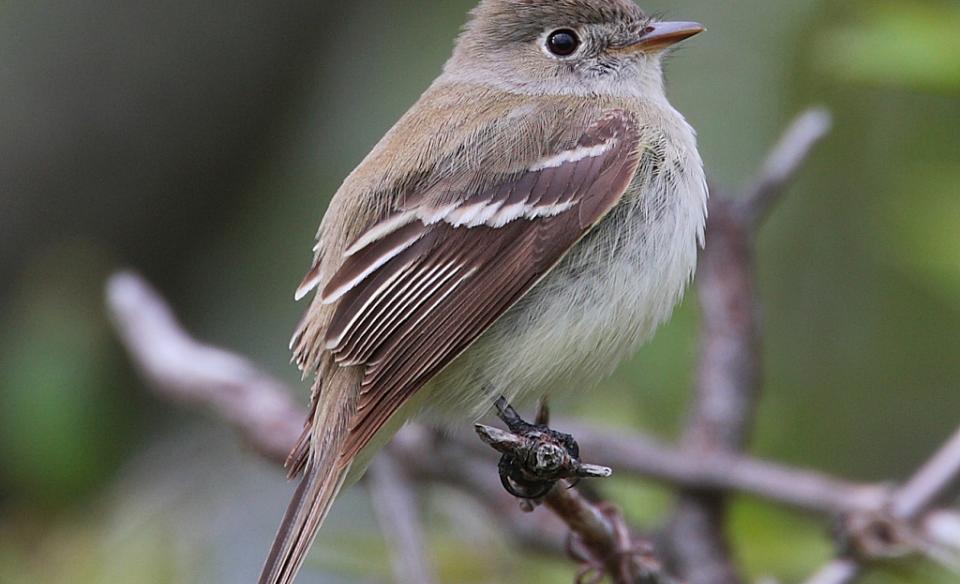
(200, 143)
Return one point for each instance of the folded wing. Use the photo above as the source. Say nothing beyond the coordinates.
(416, 289)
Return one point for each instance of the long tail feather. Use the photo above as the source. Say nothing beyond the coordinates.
(310, 505)
(324, 475)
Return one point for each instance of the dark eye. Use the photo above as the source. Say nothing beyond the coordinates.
(563, 43)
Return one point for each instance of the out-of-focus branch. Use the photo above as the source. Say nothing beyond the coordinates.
(260, 408)
(938, 479)
(184, 370)
(906, 525)
(635, 453)
(728, 383)
(395, 504)
(727, 389)
(784, 162)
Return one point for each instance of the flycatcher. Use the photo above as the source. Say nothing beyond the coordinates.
(525, 226)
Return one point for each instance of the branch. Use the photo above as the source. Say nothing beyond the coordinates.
(181, 369)
(184, 370)
(904, 527)
(937, 480)
(634, 453)
(260, 409)
(784, 162)
(637, 454)
(729, 379)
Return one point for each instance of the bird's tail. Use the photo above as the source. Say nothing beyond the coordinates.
(323, 477)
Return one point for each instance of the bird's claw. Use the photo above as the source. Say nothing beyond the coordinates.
(534, 456)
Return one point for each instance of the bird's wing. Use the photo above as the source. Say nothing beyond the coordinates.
(422, 284)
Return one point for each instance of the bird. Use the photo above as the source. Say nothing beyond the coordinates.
(524, 227)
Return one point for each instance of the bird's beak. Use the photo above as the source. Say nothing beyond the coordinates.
(661, 35)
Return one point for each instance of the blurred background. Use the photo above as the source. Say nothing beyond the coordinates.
(199, 143)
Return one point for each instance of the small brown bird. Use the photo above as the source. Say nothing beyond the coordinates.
(524, 227)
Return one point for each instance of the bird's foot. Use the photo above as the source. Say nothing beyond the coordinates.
(535, 457)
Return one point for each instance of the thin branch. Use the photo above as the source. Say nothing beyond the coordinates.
(785, 160)
(729, 379)
(904, 525)
(634, 453)
(181, 369)
(184, 370)
(396, 507)
(637, 454)
(938, 479)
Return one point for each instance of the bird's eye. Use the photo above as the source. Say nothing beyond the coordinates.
(563, 43)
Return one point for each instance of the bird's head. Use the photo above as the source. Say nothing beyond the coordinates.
(566, 47)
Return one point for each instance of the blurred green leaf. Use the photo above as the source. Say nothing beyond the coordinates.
(910, 44)
(921, 234)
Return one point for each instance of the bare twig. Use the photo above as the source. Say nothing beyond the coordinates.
(187, 371)
(728, 384)
(785, 161)
(938, 479)
(396, 506)
(634, 453)
(637, 454)
(177, 366)
(902, 527)
(180, 368)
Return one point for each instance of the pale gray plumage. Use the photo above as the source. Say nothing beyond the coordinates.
(523, 228)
